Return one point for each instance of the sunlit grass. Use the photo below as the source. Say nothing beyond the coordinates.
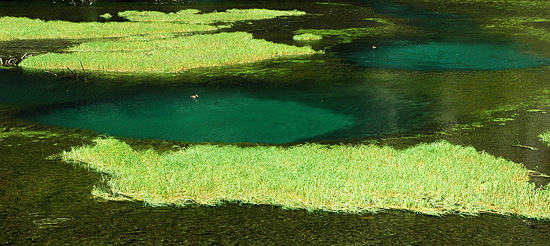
(151, 42)
(25, 28)
(545, 137)
(143, 22)
(173, 54)
(432, 178)
(193, 16)
(307, 37)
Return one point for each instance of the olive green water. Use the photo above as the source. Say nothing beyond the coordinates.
(46, 201)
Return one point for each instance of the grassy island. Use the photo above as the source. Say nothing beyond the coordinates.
(152, 41)
(434, 178)
(174, 54)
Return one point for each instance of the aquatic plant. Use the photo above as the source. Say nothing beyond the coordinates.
(434, 178)
(26, 28)
(194, 16)
(307, 37)
(545, 137)
(347, 35)
(143, 22)
(166, 55)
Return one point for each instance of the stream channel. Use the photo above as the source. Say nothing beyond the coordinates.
(455, 81)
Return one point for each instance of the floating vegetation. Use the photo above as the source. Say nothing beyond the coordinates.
(166, 55)
(347, 35)
(6, 132)
(434, 178)
(545, 137)
(106, 16)
(25, 28)
(307, 37)
(143, 45)
(194, 16)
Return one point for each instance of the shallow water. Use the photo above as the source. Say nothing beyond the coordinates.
(334, 97)
(261, 114)
(438, 56)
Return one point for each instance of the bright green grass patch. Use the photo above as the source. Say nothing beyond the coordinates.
(432, 178)
(25, 28)
(143, 22)
(307, 37)
(166, 55)
(193, 16)
(545, 137)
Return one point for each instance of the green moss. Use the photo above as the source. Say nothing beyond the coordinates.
(432, 178)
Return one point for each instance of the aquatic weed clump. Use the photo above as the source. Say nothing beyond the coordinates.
(434, 178)
(166, 55)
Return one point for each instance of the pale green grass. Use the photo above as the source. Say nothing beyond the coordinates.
(545, 137)
(307, 37)
(143, 22)
(432, 178)
(166, 55)
(193, 16)
(25, 28)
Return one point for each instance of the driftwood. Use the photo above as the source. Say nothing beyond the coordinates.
(525, 147)
(12, 62)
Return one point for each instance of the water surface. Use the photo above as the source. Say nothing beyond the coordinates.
(427, 84)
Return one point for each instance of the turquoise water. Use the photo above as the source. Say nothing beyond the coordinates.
(214, 118)
(44, 201)
(262, 114)
(445, 55)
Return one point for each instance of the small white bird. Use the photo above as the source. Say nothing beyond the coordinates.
(195, 96)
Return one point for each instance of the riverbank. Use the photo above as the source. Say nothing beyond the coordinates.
(437, 178)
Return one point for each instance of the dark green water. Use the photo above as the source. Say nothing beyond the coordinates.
(337, 96)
